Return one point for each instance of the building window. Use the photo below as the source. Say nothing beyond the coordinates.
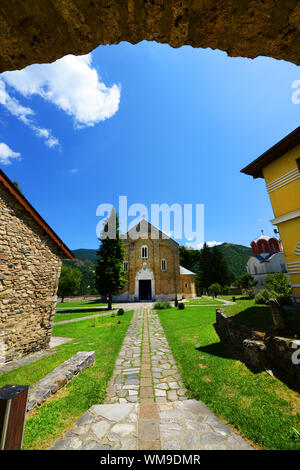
(163, 265)
(125, 266)
(186, 285)
(144, 252)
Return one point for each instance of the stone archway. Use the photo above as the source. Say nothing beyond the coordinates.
(45, 30)
(144, 274)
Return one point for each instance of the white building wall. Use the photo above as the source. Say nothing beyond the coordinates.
(258, 270)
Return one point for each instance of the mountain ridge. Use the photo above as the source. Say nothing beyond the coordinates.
(236, 257)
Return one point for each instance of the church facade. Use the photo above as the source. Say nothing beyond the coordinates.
(152, 268)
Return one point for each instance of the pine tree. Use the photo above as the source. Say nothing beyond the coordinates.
(204, 272)
(212, 268)
(109, 268)
(220, 273)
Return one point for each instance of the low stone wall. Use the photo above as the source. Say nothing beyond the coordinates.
(59, 377)
(260, 350)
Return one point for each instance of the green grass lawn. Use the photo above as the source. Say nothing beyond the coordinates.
(264, 410)
(79, 314)
(49, 422)
(259, 317)
(229, 297)
(83, 303)
(204, 301)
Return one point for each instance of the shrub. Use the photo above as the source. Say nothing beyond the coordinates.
(225, 290)
(249, 294)
(283, 299)
(121, 311)
(181, 306)
(279, 288)
(162, 305)
(262, 297)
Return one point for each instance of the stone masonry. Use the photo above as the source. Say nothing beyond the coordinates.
(59, 377)
(158, 266)
(44, 31)
(30, 263)
(261, 350)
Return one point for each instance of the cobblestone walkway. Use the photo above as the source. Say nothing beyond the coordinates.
(146, 407)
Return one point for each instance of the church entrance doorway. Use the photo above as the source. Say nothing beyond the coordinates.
(145, 290)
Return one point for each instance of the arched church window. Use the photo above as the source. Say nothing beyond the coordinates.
(163, 265)
(144, 252)
(274, 244)
(263, 246)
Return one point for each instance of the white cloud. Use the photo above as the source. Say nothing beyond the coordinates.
(199, 246)
(74, 170)
(72, 84)
(25, 115)
(6, 154)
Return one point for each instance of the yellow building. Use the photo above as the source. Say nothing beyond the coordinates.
(280, 167)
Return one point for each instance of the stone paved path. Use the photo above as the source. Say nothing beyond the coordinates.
(146, 407)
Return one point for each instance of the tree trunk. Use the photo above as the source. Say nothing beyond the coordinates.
(109, 305)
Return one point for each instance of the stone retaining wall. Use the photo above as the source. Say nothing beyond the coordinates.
(59, 377)
(260, 350)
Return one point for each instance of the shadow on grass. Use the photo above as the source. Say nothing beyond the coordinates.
(260, 319)
(225, 352)
(216, 349)
(97, 301)
(85, 311)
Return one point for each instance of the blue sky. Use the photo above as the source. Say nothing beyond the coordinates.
(157, 124)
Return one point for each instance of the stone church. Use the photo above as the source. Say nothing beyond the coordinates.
(152, 268)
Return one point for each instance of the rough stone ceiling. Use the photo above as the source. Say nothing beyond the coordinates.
(36, 31)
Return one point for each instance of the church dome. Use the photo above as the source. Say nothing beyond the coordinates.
(265, 244)
(262, 237)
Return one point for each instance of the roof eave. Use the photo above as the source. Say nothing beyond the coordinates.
(255, 168)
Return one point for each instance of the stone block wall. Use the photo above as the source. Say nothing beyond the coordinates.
(30, 265)
(59, 377)
(260, 350)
